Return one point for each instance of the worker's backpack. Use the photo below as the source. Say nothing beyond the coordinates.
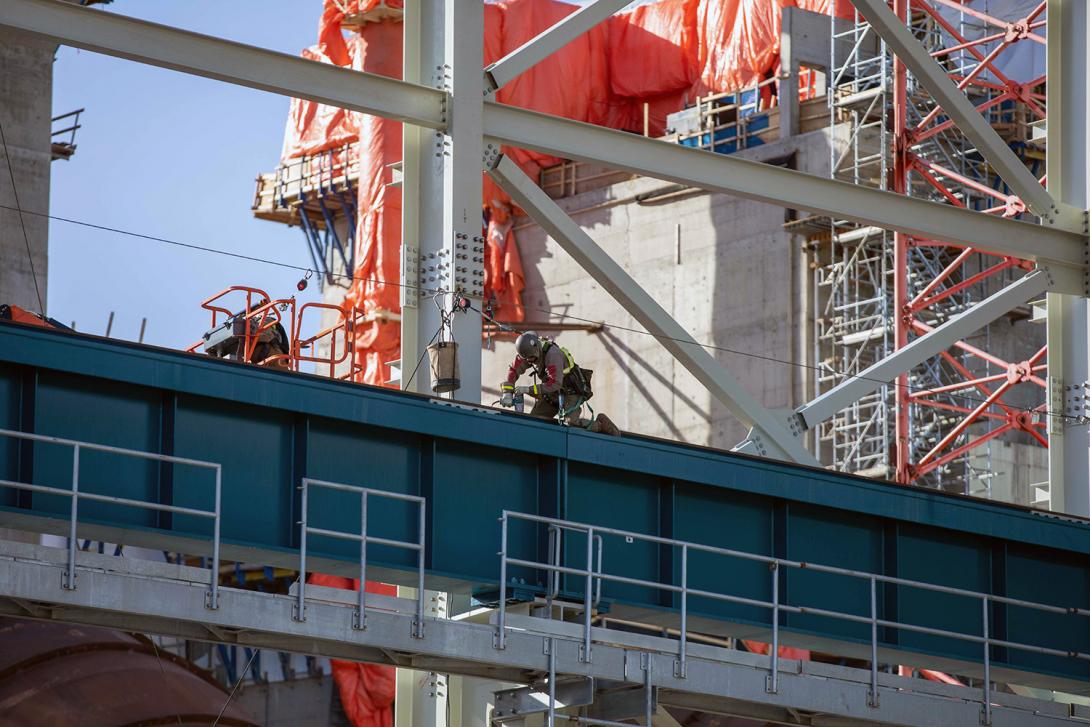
(579, 380)
(576, 379)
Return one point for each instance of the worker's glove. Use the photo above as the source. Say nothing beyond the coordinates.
(507, 399)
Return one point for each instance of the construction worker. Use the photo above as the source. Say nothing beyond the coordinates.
(562, 388)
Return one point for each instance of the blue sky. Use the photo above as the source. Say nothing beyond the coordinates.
(173, 156)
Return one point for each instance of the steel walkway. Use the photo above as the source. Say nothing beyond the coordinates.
(128, 594)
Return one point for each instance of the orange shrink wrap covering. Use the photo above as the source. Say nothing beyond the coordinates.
(504, 279)
(786, 652)
(573, 82)
(653, 49)
(739, 41)
(378, 238)
(313, 127)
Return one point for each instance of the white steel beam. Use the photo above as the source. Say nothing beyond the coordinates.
(417, 182)
(776, 185)
(549, 41)
(224, 60)
(1061, 248)
(462, 234)
(958, 107)
(775, 435)
(1069, 316)
(923, 348)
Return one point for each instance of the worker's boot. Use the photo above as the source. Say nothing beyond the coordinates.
(604, 425)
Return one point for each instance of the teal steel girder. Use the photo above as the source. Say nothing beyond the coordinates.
(269, 429)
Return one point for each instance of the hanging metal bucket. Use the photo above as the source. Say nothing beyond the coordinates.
(443, 358)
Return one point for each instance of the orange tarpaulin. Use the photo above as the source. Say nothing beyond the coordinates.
(786, 652)
(378, 231)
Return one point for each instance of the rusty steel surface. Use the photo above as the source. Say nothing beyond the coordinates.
(57, 674)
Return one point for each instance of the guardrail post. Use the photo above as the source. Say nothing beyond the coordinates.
(418, 625)
(588, 596)
(986, 712)
(872, 698)
(359, 619)
(679, 667)
(598, 569)
(299, 610)
(772, 684)
(552, 549)
(552, 681)
(213, 599)
(649, 703)
(69, 581)
(500, 641)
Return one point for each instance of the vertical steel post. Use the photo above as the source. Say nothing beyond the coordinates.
(501, 625)
(300, 602)
(418, 627)
(684, 636)
(986, 715)
(1068, 166)
(873, 697)
(449, 228)
(421, 185)
(360, 620)
(70, 574)
(550, 592)
(588, 595)
(598, 568)
(214, 593)
(552, 682)
(774, 651)
(649, 697)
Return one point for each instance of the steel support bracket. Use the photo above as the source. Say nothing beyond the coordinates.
(1069, 217)
(1075, 403)
(515, 704)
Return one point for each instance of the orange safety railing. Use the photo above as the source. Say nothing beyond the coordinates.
(260, 307)
(338, 363)
(344, 330)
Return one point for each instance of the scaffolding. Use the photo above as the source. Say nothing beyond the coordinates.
(874, 290)
(317, 193)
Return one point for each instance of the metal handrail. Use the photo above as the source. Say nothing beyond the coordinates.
(590, 573)
(359, 617)
(69, 582)
(71, 129)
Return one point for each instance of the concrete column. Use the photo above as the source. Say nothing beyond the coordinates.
(789, 79)
(26, 98)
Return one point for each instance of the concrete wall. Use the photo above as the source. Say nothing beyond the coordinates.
(26, 97)
(307, 702)
(722, 266)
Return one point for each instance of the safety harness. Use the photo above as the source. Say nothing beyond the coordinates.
(574, 380)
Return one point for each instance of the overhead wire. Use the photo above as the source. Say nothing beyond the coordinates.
(436, 291)
(241, 677)
(22, 223)
(163, 673)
